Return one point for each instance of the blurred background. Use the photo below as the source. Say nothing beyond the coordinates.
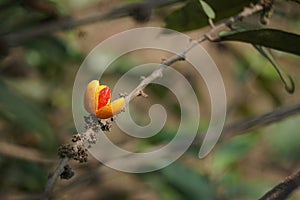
(42, 45)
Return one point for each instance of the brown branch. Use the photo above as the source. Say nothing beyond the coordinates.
(245, 126)
(283, 189)
(158, 71)
(53, 177)
(68, 22)
(24, 153)
(213, 34)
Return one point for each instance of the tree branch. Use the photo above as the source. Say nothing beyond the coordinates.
(283, 189)
(245, 126)
(65, 23)
(53, 177)
(212, 35)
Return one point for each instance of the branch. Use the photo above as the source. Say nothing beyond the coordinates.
(24, 153)
(139, 11)
(245, 126)
(158, 71)
(283, 189)
(52, 178)
(212, 35)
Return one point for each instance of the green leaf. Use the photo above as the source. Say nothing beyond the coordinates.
(285, 78)
(192, 184)
(272, 38)
(231, 151)
(192, 16)
(207, 9)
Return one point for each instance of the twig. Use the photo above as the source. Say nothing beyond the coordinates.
(283, 189)
(24, 153)
(213, 34)
(68, 22)
(158, 71)
(245, 126)
(53, 177)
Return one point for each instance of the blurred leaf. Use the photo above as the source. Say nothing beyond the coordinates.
(249, 63)
(16, 16)
(283, 139)
(21, 112)
(285, 78)
(192, 16)
(207, 9)
(236, 186)
(193, 185)
(21, 174)
(272, 38)
(165, 190)
(231, 151)
(48, 53)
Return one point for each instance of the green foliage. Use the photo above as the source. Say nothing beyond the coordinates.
(192, 184)
(230, 152)
(192, 15)
(250, 63)
(272, 38)
(27, 176)
(208, 10)
(187, 183)
(285, 78)
(46, 53)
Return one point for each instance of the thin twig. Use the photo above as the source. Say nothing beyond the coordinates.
(158, 71)
(283, 189)
(245, 126)
(53, 177)
(24, 153)
(68, 22)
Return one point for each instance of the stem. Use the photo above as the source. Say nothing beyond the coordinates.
(283, 189)
(52, 178)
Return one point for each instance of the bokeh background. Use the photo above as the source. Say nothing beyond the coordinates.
(36, 82)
